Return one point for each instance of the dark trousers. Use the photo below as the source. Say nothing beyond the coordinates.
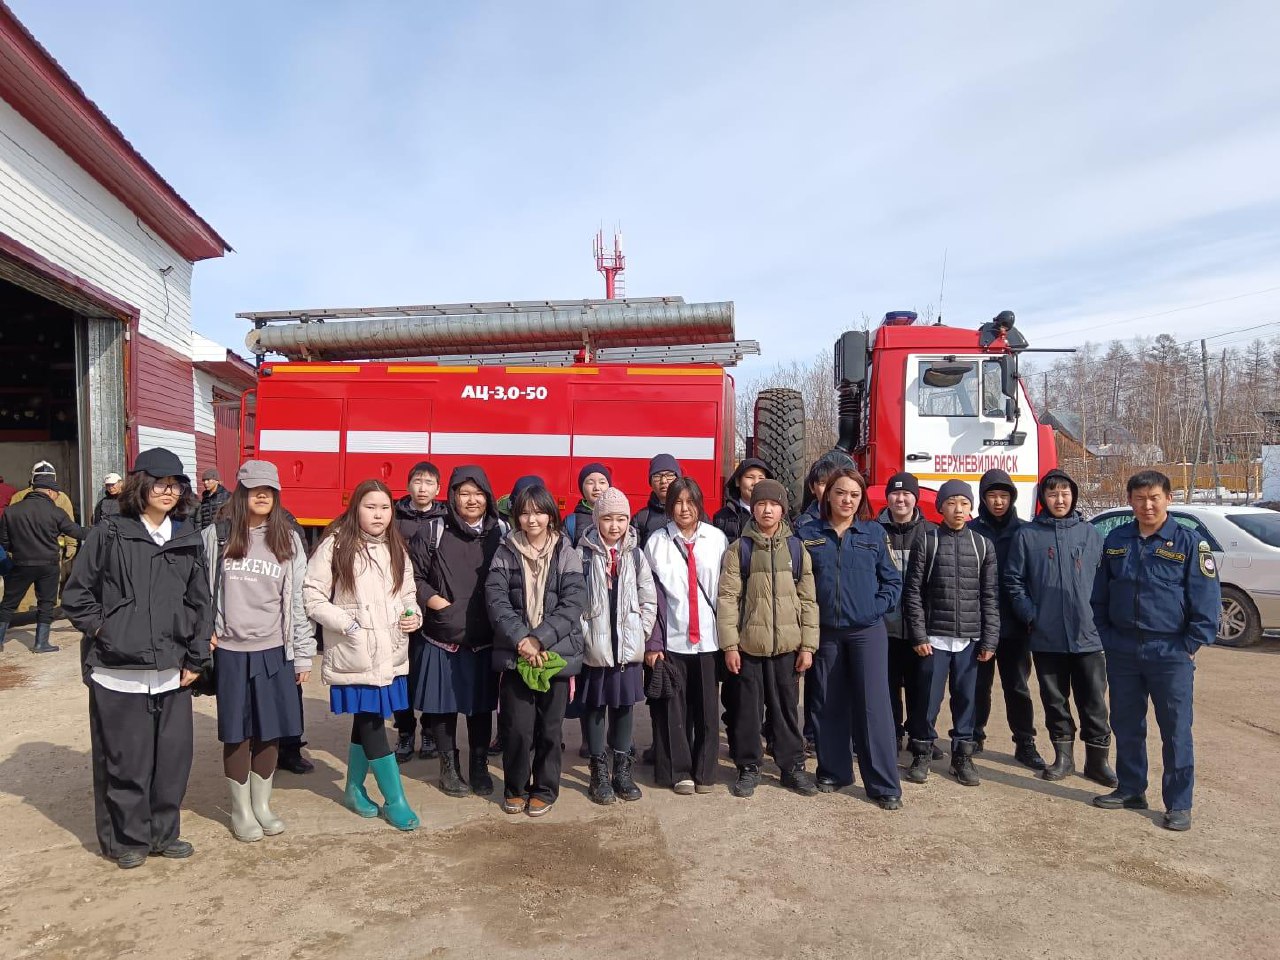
(686, 725)
(19, 581)
(851, 710)
(534, 722)
(1013, 660)
(904, 667)
(405, 722)
(771, 682)
(1082, 676)
(938, 671)
(1162, 671)
(141, 749)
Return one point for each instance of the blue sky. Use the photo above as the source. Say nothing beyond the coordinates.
(1084, 164)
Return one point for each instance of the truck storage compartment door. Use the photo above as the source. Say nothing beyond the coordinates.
(300, 431)
(388, 430)
(625, 433)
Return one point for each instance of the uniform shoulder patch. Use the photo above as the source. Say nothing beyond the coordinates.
(1117, 551)
(1171, 555)
(1208, 566)
(1203, 547)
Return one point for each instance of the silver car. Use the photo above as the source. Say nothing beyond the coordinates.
(1246, 545)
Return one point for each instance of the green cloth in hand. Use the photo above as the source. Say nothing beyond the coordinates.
(538, 679)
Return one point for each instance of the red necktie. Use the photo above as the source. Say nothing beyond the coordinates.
(694, 631)
(613, 563)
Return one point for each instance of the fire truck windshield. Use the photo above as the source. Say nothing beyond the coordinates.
(950, 389)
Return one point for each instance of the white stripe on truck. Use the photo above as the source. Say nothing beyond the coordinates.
(642, 448)
(387, 441)
(488, 444)
(299, 441)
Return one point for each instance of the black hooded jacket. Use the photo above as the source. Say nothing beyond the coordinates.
(409, 519)
(1050, 575)
(733, 516)
(456, 567)
(904, 539)
(651, 518)
(1000, 531)
(29, 531)
(139, 605)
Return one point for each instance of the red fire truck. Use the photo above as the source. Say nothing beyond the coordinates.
(939, 402)
(631, 389)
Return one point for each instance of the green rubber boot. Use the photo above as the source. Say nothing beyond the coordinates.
(395, 808)
(354, 797)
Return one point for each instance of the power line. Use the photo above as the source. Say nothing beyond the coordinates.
(1162, 313)
(1231, 333)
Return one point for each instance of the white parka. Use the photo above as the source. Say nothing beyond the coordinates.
(637, 601)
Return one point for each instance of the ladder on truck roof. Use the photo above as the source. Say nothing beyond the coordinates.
(533, 332)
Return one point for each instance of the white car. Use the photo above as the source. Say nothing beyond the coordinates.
(1246, 546)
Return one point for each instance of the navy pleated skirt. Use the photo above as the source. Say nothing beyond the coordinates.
(363, 698)
(461, 682)
(609, 687)
(257, 695)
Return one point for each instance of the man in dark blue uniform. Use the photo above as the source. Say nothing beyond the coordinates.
(1155, 601)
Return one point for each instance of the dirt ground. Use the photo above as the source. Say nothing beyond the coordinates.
(1015, 868)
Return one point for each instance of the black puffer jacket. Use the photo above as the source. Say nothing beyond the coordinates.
(210, 503)
(456, 568)
(562, 605)
(952, 589)
(1001, 532)
(139, 605)
(651, 518)
(904, 540)
(30, 528)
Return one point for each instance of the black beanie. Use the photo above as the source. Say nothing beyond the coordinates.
(903, 481)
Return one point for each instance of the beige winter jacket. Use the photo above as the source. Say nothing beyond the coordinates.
(377, 651)
(775, 612)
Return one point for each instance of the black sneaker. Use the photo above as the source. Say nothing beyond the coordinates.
(748, 780)
(889, 803)
(291, 759)
(800, 781)
(404, 748)
(131, 859)
(1116, 800)
(428, 750)
(178, 850)
(1179, 820)
(827, 785)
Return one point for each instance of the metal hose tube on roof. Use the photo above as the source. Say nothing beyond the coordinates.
(611, 325)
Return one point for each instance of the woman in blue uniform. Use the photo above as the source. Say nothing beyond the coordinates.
(857, 584)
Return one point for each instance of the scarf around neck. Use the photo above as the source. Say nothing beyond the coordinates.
(537, 570)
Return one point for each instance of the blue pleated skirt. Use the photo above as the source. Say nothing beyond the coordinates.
(360, 698)
(460, 682)
(257, 695)
(609, 687)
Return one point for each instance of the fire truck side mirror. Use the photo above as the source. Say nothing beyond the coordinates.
(851, 358)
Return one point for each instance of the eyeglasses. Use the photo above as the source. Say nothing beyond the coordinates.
(666, 476)
(162, 487)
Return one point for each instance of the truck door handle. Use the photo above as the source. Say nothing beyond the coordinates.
(915, 457)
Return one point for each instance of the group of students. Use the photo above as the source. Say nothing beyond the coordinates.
(446, 608)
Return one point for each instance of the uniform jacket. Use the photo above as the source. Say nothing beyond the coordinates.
(616, 636)
(960, 597)
(1001, 533)
(210, 503)
(139, 605)
(1049, 579)
(299, 635)
(563, 602)
(854, 575)
(667, 557)
(30, 528)
(772, 613)
(456, 568)
(1165, 585)
(903, 539)
(377, 651)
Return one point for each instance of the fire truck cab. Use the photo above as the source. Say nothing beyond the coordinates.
(939, 402)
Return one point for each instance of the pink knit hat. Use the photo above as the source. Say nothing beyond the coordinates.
(611, 501)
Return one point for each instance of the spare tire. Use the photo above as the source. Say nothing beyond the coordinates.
(779, 439)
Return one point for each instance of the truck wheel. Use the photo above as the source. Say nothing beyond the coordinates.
(779, 439)
(1239, 624)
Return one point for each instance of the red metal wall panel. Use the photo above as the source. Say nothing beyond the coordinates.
(207, 454)
(227, 438)
(165, 393)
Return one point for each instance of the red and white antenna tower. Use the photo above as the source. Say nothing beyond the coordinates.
(611, 265)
